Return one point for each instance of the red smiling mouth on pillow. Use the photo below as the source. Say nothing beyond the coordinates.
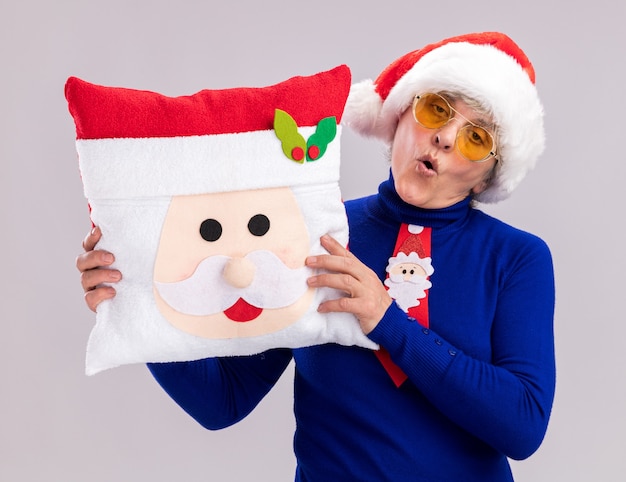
(243, 311)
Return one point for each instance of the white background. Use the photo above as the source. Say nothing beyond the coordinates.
(56, 424)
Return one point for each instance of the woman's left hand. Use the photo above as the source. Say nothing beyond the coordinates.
(368, 299)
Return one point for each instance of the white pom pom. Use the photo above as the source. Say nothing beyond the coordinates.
(363, 109)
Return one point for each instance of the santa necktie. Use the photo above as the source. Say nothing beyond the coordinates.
(412, 240)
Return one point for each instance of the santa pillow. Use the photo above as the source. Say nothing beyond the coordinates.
(211, 203)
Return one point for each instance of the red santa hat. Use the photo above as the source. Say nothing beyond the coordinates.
(487, 67)
(134, 143)
(412, 244)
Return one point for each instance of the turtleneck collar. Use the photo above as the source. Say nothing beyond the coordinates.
(395, 209)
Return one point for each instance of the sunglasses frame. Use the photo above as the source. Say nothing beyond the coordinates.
(492, 152)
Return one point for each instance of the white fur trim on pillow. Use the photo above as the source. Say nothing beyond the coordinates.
(169, 166)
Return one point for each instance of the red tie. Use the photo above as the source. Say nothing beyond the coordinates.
(418, 243)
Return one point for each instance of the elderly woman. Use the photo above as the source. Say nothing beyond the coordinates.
(461, 304)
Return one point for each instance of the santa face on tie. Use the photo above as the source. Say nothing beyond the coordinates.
(232, 264)
(408, 279)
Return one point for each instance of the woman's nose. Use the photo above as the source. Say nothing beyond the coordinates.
(239, 272)
(445, 137)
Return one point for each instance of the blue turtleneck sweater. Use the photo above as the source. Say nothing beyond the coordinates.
(481, 377)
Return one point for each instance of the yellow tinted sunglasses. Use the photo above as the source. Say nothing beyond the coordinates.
(473, 142)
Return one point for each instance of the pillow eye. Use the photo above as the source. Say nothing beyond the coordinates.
(259, 225)
(210, 230)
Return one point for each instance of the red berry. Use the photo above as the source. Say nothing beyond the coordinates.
(314, 152)
(297, 153)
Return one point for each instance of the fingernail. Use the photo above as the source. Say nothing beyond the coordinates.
(115, 276)
(311, 260)
(108, 258)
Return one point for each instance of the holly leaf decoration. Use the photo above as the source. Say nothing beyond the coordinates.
(293, 144)
(325, 132)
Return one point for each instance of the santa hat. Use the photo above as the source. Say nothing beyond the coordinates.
(411, 250)
(487, 67)
(136, 144)
(412, 244)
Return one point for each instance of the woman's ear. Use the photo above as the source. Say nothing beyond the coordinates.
(481, 186)
(484, 184)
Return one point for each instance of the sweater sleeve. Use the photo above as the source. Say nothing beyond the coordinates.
(505, 401)
(219, 392)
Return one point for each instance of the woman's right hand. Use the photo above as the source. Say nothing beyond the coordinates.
(92, 265)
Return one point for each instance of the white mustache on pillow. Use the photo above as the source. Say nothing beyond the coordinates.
(206, 292)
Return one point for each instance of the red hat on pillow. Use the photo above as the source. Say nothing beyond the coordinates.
(135, 143)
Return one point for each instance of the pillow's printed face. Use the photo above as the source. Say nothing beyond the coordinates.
(231, 264)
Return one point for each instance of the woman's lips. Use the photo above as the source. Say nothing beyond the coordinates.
(426, 167)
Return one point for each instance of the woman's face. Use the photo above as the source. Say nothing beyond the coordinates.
(427, 169)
